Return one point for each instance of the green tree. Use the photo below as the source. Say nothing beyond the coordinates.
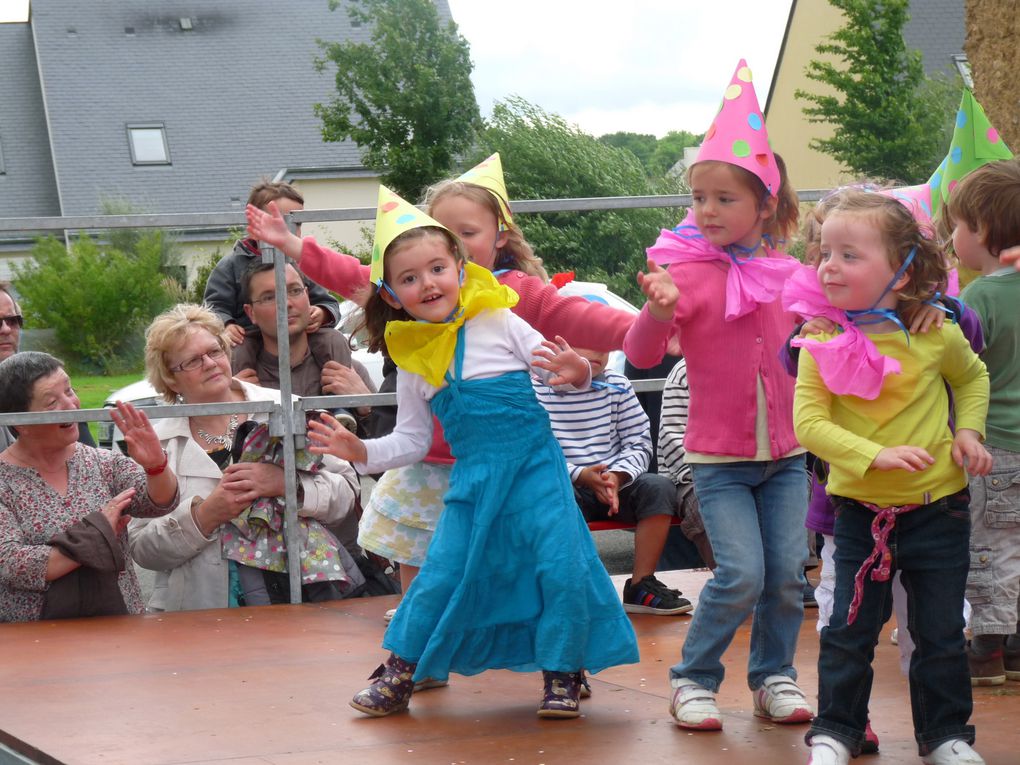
(406, 98)
(670, 148)
(97, 298)
(641, 145)
(884, 122)
(546, 158)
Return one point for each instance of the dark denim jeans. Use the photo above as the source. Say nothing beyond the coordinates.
(930, 548)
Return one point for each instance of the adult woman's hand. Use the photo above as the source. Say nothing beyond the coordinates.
(143, 444)
(251, 480)
(113, 510)
(221, 506)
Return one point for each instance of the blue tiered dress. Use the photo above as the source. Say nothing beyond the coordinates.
(512, 579)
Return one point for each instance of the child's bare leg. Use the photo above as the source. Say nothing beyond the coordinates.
(407, 575)
(649, 540)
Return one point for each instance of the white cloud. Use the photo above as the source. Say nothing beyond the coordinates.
(647, 65)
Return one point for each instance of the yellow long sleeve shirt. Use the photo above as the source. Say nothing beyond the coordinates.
(911, 410)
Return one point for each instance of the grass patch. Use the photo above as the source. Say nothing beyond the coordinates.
(93, 390)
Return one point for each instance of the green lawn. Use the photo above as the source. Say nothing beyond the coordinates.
(93, 390)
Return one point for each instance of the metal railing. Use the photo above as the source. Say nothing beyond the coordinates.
(285, 421)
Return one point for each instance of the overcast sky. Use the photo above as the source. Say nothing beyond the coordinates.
(646, 66)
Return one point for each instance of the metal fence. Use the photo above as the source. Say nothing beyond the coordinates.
(286, 421)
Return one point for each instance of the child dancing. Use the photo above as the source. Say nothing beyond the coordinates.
(499, 588)
(747, 465)
(896, 474)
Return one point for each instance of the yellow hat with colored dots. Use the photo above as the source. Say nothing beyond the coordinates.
(393, 217)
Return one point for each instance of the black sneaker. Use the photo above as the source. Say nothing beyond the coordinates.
(650, 596)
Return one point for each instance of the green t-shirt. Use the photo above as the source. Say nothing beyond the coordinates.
(996, 300)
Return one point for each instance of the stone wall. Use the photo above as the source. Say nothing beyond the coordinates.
(993, 49)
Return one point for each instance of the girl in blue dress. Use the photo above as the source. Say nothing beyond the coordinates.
(512, 579)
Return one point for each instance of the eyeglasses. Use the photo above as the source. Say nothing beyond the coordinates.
(190, 365)
(292, 292)
(15, 321)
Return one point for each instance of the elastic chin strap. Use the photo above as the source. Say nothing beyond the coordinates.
(738, 251)
(878, 315)
(385, 286)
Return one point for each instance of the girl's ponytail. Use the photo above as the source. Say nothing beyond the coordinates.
(783, 224)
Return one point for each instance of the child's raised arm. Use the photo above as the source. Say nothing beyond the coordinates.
(566, 366)
(271, 228)
(328, 436)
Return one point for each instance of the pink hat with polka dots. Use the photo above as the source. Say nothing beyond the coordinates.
(738, 136)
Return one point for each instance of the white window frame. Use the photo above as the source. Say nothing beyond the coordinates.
(148, 126)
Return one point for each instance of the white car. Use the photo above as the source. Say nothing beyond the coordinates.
(142, 394)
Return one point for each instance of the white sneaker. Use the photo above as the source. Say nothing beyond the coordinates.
(781, 700)
(825, 750)
(955, 752)
(388, 616)
(693, 706)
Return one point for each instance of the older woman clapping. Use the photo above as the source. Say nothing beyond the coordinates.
(63, 505)
(186, 360)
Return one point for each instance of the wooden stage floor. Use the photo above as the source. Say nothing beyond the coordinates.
(270, 686)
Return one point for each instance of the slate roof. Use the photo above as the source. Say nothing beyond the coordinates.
(936, 28)
(234, 92)
(27, 184)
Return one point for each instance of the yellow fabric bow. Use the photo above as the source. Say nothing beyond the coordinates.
(427, 349)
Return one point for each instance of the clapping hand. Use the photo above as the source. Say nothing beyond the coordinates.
(660, 291)
(113, 510)
(143, 444)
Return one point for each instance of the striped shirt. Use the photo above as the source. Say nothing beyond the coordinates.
(600, 426)
(673, 425)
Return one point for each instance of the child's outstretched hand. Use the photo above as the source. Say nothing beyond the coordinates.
(660, 291)
(819, 325)
(970, 454)
(567, 366)
(924, 317)
(1011, 256)
(909, 458)
(270, 227)
(328, 436)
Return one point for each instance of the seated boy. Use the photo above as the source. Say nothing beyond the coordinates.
(605, 436)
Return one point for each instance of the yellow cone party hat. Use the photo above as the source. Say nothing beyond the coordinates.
(489, 175)
(393, 217)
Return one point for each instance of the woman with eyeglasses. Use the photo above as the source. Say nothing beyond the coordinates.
(64, 506)
(187, 361)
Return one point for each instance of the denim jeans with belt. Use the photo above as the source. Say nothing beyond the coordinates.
(929, 548)
(754, 516)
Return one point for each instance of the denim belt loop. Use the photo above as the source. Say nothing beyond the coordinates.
(880, 560)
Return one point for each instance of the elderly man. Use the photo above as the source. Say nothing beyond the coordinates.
(11, 322)
(320, 362)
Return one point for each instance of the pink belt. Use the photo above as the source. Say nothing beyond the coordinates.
(880, 560)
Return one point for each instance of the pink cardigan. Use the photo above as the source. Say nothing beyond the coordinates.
(582, 323)
(724, 361)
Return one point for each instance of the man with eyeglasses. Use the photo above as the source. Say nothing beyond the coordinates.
(11, 322)
(320, 362)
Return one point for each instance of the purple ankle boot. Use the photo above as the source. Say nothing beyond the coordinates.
(391, 690)
(562, 694)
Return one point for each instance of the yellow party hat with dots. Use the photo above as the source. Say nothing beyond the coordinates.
(489, 175)
(393, 217)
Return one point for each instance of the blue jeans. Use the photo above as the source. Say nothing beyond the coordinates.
(929, 548)
(754, 516)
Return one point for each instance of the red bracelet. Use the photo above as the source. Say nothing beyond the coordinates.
(154, 471)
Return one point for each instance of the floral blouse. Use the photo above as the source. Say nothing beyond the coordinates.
(32, 512)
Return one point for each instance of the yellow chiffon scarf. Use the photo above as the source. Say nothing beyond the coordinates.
(427, 348)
